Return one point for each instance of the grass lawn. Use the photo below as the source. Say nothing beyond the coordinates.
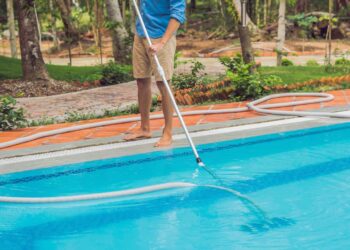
(293, 74)
(11, 69)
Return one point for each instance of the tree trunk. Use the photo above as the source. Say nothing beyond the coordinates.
(246, 45)
(193, 5)
(33, 65)
(301, 6)
(121, 50)
(133, 17)
(226, 16)
(257, 12)
(96, 22)
(281, 33)
(12, 29)
(237, 5)
(71, 32)
(265, 12)
(53, 26)
(269, 11)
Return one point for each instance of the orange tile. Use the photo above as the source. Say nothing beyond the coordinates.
(77, 134)
(247, 114)
(217, 118)
(64, 140)
(308, 107)
(5, 139)
(279, 100)
(226, 105)
(118, 127)
(336, 93)
(102, 134)
(206, 107)
(35, 143)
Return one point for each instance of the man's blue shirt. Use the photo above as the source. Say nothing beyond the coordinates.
(157, 14)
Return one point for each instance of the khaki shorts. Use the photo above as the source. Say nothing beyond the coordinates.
(143, 62)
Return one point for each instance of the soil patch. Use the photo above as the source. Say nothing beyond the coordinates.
(19, 88)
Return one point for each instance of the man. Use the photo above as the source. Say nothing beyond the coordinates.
(162, 19)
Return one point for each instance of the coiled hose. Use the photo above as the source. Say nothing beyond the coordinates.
(254, 105)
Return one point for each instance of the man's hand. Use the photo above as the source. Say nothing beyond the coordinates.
(155, 48)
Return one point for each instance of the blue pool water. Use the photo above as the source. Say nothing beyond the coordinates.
(299, 180)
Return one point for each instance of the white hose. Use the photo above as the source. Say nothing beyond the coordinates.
(264, 109)
(257, 211)
(122, 193)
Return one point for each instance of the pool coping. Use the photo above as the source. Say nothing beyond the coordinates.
(113, 147)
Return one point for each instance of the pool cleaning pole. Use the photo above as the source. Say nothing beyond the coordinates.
(165, 81)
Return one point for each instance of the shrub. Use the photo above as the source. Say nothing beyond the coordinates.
(271, 80)
(10, 116)
(92, 78)
(245, 84)
(113, 74)
(342, 62)
(185, 81)
(286, 62)
(312, 63)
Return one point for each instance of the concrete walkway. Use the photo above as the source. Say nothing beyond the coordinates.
(342, 99)
(88, 101)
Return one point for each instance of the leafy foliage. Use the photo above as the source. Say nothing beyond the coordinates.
(113, 74)
(304, 22)
(10, 116)
(342, 61)
(185, 81)
(286, 62)
(247, 85)
(312, 63)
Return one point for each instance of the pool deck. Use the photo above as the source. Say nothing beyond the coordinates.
(223, 127)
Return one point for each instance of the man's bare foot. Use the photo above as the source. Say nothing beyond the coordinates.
(164, 141)
(139, 134)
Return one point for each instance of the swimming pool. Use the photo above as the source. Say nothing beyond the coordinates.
(299, 180)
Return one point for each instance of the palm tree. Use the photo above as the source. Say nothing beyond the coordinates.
(12, 29)
(33, 65)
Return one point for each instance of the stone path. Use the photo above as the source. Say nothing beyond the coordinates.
(88, 101)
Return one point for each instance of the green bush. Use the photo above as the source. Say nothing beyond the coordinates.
(312, 63)
(92, 77)
(271, 80)
(342, 62)
(10, 116)
(185, 81)
(247, 85)
(286, 62)
(113, 74)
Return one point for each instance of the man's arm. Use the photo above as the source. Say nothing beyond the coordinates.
(173, 26)
(177, 17)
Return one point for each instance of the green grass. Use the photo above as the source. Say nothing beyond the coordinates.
(293, 74)
(11, 69)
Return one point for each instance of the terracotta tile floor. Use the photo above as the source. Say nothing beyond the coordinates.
(342, 98)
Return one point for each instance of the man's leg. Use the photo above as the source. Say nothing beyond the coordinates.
(145, 102)
(168, 111)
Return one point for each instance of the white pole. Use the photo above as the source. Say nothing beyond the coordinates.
(165, 81)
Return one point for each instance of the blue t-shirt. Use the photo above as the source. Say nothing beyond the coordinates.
(156, 15)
